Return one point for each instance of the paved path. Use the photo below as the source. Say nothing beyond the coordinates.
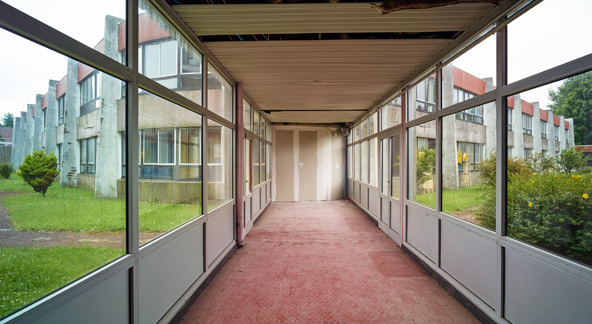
(322, 262)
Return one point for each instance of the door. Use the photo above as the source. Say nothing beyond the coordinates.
(248, 193)
(390, 186)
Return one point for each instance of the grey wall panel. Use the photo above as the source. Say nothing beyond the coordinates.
(350, 188)
(471, 259)
(219, 233)
(374, 202)
(107, 302)
(284, 165)
(422, 232)
(396, 216)
(385, 213)
(256, 200)
(247, 211)
(166, 273)
(364, 195)
(538, 293)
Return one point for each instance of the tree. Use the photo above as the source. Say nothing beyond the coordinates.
(7, 120)
(570, 159)
(426, 165)
(573, 99)
(39, 170)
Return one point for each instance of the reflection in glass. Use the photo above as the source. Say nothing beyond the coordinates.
(220, 176)
(220, 94)
(384, 148)
(365, 166)
(247, 115)
(390, 114)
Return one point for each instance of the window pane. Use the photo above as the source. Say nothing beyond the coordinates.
(79, 225)
(391, 114)
(549, 203)
(543, 19)
(247, 115)
(220, 176)
(422, 164)
(349, 162)
(255, 122)
(247, 167)
(268, 165)
(374, 162)
(263, 174)
(419, 99)
(373, 123)
(385, 154)
(256, 155)
(365, 162)
(395, 168)
(219, 94)
(364, 129)
(159, 59)
(170, 189)
(268, 137)
(468, 180)
(357, 162)
(92, 145)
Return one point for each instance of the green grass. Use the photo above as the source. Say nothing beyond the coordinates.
(14, 183)
(454, 200)
(27, 274)
(73, 209)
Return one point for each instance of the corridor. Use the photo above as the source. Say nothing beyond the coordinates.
(322, 262)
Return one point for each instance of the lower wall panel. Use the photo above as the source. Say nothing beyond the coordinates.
(395, 221)
(422, 231)
(166, 273)
(471, 259)
(364, 195)
(107, 302)
(538, 293)
(256, 200)
(219, 233)
(374, 202)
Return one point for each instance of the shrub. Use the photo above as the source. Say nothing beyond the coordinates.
(39, 170)
(553, 211)
(587, 170)
(6, 170)
(570, 159)
(426, 165)
(487, 168)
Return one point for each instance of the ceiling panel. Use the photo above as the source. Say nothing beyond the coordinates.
(323, 74)
(313, 117)
(243, 19)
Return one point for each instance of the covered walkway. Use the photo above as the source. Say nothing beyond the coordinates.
(323, 262)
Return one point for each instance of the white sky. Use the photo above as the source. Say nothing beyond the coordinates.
(554, 32)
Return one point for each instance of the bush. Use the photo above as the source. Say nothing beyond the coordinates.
(516, 166)
(426, 165)
(553, 211)
(587, 170)
(39, 170)
(6, 170)
(570, 159)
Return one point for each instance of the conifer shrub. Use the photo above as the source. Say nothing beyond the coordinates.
(5, 170)
(39, 170)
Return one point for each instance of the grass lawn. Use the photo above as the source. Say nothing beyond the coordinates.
(28, 274)
(73, 209)
(454, 200)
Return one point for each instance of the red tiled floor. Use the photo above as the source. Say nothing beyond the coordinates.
(323, 262)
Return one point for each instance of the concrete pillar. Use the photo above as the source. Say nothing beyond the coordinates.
(16, 141)
(562, 145)
(518, 150)
(70, 147)
(52, 119)
(550, 134)
(38, 133)
(537, 145)
(489, 121)
(29, 129)
(22, 138)
(449, 161)
(570, 138)
(108, 163)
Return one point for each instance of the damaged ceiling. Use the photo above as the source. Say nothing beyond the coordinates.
(286, 65)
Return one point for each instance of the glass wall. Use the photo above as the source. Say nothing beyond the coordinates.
(256, 163)
(170, 169)
(422, 164)
(247, 112)
(395, 168)
(390, 114)
(76, 224)
(220, 165)
(220, 94)
(422, 98)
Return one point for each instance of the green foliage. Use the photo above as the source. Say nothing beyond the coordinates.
(39, 170)
(460, 199)
(573, 99)
(539, 163)
(28, 274)
(587, 170)
(426, 165)
(570, 159)
(7, 120)
(6, 170)
(516, 166)
(553, 211)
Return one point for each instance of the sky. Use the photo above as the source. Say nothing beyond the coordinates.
(554, 32)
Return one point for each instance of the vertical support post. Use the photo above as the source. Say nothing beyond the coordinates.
(403, 163)
(239, 154)
(502, 157)
(204, 155)
(438, 177)
(132, 149)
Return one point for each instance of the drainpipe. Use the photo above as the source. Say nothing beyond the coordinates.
(240, 182)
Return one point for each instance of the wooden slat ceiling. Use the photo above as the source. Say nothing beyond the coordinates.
(346, 76)
(324, 18)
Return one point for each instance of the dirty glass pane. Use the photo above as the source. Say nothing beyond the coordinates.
(220, 94)
(395, 168)
(390, 114)
(220, 166)
(256, 163)
(247, 109)
(422, 98)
